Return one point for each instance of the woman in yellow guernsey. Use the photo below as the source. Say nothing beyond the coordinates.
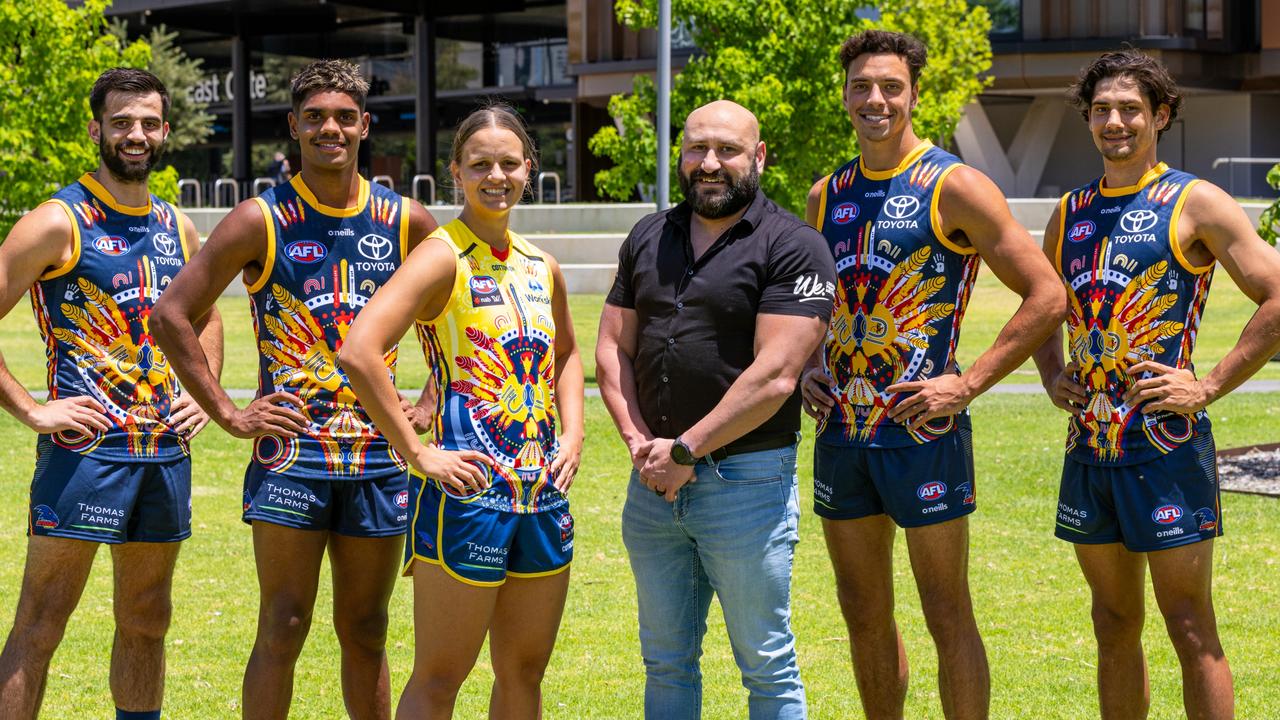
(491, 537)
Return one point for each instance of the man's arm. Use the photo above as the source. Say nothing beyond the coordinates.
(783, 343)
(40, 241)
(973, 206)
(616, 344)
(1058, 379)
(237, 243)
(1215, 219)
(186, 416)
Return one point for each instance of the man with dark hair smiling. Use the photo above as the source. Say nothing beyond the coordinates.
(908, 224)
(113, 459)
(715, 307)
(321, 478)
(1136, 249)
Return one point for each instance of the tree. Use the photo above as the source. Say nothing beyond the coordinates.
(189, 124)
(780, 59)
(50, 55)
(1269, 222)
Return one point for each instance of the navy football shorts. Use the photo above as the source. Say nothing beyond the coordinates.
(77, 496)
(356, 508)
(918, 485)
(482, 546)
(1155, 505)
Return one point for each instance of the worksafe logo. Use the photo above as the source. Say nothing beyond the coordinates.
(1136, 221)
(901, 207)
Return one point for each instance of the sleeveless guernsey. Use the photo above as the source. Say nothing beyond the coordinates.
(492, 355)
(902, 291)
(323, 265)
(93, 316)
(1133, 297)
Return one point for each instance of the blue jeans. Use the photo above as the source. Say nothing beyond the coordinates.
(733, 533)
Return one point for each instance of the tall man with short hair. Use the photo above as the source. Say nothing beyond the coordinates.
(312, 252)
(1136, 249)
(113, 464)
(715, 307)
(907, 224)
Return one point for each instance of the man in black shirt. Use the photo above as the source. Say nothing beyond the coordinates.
(716, 305)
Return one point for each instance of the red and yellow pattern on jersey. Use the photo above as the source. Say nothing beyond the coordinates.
(902, 291)
(323, 264)
(1133, 297)
(492, 355)
(93, 314)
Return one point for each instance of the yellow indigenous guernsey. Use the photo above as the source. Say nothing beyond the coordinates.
(491, 352)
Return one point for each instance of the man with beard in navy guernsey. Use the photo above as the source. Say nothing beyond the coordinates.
(907, 224)
(113, 462)
(1136, 249)
(321, 478)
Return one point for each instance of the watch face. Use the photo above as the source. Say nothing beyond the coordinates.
(681, 454)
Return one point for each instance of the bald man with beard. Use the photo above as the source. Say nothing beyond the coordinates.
(716, 305)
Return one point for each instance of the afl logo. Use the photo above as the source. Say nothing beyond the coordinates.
(402, 499)
(931, 491)
(1167, 514)
(901, 207)
(305, 251)
(1136, 221)
(844, 213)
(1081, 231)
(484, 284)
(374, 247)
(164, 243)
(111, 245)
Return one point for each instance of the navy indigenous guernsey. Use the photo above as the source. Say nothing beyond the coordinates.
(93, 315)
(323, 265)
(1133, 297)
(901, 294)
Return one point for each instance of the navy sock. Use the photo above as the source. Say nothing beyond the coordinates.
(137, 714)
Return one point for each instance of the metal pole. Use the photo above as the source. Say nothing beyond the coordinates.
(664, 103)
(424, 59)
(241, 141)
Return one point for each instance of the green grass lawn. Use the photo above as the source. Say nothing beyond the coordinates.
(1030, 598)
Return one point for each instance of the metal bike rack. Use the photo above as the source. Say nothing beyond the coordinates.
(221, 183)
(196, 190)
(384, 180)
(554, 176)
(259, 183)
(431, 182)
(1231, 163)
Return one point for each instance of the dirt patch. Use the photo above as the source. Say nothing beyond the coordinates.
(1254, 469)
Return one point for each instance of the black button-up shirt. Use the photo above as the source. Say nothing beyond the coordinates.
(697, 319)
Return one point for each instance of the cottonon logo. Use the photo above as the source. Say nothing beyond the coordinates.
(402, 499)
(931, 491)
(844, 213)
(111, 245)
(901, 207)
(1081, 231)
(374, 247)
(1167, 514)
(1136, 221)
(305, 251)
(164, 243)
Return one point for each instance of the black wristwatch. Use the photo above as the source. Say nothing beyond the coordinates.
(681, 453)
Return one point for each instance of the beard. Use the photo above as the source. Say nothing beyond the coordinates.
(123, 169)
(737, 193)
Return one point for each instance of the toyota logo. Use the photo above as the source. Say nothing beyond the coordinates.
(164, 243)
(1136, 221)
(374, 247)
(901, 207)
